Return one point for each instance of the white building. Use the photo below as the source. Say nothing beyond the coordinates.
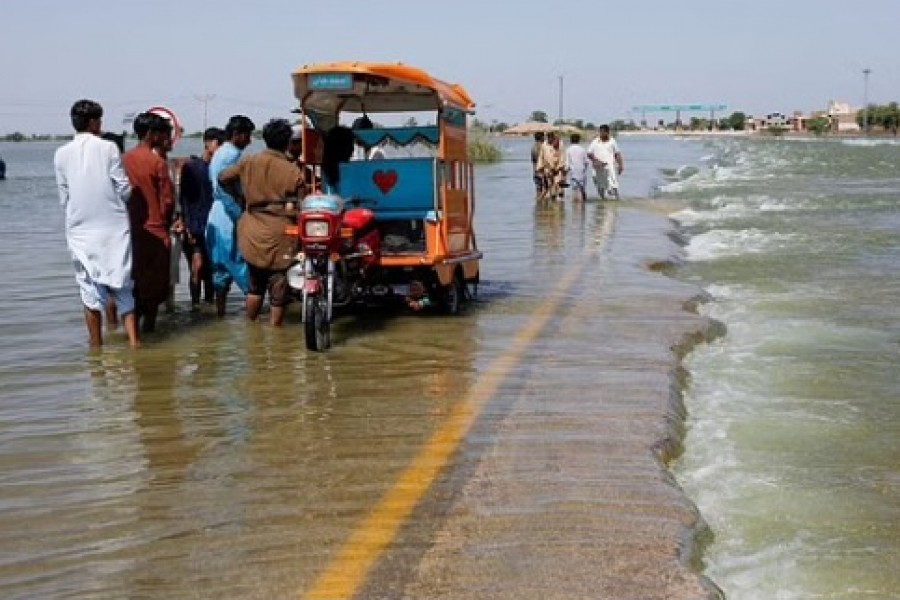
(842, 115)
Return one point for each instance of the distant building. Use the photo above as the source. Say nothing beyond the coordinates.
(775, 119)
(842, 115)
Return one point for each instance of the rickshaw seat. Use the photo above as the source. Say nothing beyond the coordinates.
(398, 188)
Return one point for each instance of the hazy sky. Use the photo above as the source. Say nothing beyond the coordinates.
(760, 56)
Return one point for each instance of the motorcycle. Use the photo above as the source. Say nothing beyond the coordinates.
(339, 252)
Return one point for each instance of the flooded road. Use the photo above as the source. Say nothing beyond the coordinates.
(512, 451)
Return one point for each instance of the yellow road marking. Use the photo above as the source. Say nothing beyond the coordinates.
(348, 570)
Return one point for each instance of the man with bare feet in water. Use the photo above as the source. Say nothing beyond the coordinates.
(93, 190)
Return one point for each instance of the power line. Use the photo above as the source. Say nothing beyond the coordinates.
(205, 99)
(866, 73)
(560, 97)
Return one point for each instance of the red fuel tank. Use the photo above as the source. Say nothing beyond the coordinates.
(358, 218)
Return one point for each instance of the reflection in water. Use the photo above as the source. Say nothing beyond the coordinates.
(549, 220)
(72, 533)
(256, 460)
(563, 232)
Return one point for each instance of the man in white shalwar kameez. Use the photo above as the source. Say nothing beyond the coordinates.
(93, 190)
(608, 163)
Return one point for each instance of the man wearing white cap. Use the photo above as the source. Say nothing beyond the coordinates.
(295, 148)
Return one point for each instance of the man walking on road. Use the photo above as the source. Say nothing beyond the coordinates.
(608, 163)
(93, 190)
(579, 165)
(535, 155)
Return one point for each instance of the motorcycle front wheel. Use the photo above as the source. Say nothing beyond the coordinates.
(317, 328)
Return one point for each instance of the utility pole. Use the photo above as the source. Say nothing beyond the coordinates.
(560, 98)
(204, 99)
(866, 72)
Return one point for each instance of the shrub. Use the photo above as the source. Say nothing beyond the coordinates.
(483, 150)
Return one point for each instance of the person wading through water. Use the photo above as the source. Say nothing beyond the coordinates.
(269, 182)
(94, 191)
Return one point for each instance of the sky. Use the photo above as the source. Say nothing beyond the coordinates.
(758, 57)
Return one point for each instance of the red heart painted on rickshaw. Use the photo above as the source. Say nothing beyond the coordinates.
(385, 180)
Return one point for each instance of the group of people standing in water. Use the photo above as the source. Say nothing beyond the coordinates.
(555, 169)
(121, 217)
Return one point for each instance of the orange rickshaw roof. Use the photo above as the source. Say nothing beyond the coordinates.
(397, 74)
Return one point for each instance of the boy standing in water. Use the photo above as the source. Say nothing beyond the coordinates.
(195, 195)
(93, 190)
(578, 164)
(608, 163)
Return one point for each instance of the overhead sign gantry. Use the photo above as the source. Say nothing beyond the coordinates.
(678, 109)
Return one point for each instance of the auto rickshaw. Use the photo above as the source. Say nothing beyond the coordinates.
(393, 228)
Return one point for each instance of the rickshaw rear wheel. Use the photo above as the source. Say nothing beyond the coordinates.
(453, 295)
(317, 329)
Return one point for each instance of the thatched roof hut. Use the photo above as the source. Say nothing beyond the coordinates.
(530, 128)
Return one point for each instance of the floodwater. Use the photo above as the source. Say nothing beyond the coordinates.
(223, 459)
(793, 447)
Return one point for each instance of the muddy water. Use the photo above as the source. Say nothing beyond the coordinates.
(223, 460)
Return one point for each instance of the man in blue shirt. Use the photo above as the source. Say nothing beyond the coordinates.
(196, 198)
(221, 243)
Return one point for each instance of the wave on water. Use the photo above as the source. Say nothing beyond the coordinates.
(722, 243)
(727, 207)
(868, 143)
(681, 173)
(717, 176)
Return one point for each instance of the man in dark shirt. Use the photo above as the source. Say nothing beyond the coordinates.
(196, 199)
(535, 153)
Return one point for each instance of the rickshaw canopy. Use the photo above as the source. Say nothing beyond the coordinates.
(328, 88)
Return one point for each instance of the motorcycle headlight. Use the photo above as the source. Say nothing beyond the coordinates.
(315, 229)
(296, 276)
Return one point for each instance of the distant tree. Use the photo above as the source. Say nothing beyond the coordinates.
(737, 121)
(886, 116)
(497, 126)
(622, 125)
(894, 116)
(539, 116)
(411, 122)
(479, 125)
(819, 125)
(17, 136)
(703, 124)
(889, 116)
